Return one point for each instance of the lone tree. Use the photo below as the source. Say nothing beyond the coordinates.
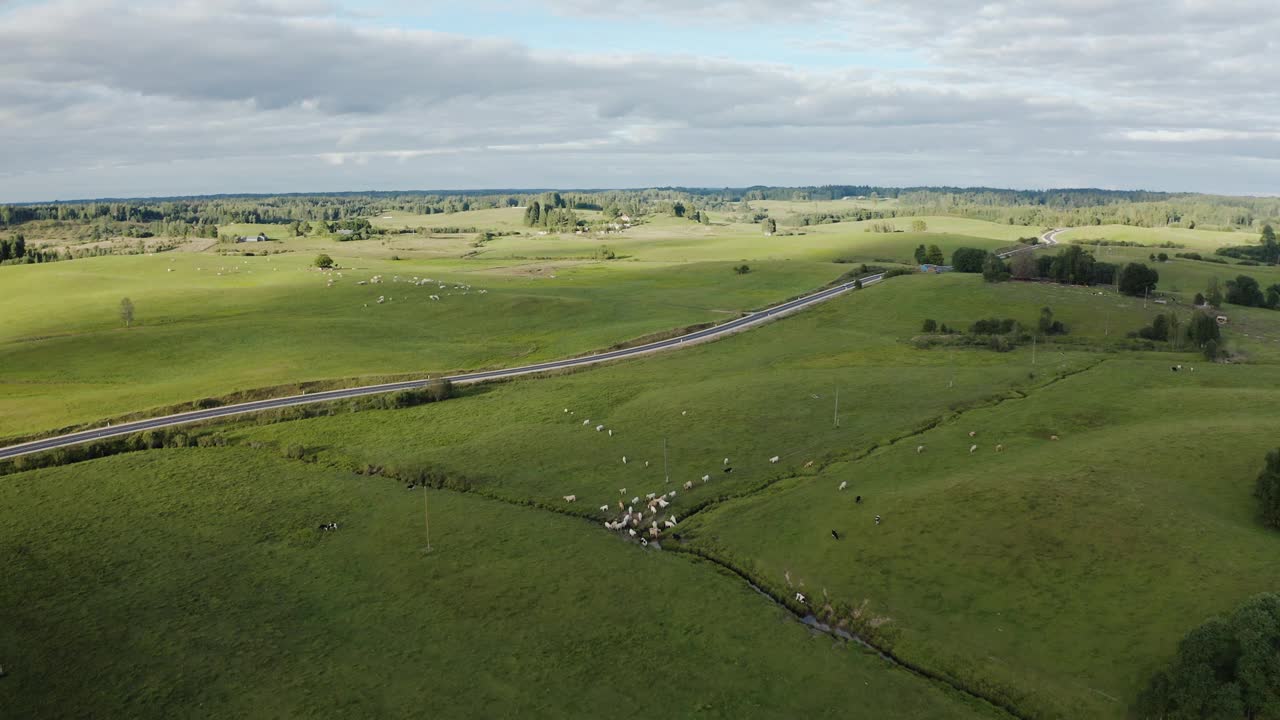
(742, 269)
(1267, 490)
(126, 312)
(324, 261)
(919, 226)
(930, 326)
(770, 226)
(1138, 279)
(935, 256)
(968, 260)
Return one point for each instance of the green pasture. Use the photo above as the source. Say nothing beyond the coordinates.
(1190, 240)
(208, 325)
(195, 583)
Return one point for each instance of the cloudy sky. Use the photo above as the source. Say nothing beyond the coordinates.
(137, 97)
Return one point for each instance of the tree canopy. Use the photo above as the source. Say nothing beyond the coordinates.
(1137, 279)
(1226, 668)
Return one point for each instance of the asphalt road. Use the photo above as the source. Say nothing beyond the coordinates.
(733, 326)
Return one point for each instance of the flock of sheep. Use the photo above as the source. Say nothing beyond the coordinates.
(334, 276)
(631, 516)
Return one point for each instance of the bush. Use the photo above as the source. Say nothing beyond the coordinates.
(1267, 490)
(1244, 290)
(1226, 668)
(742, 269)
(895, 272)
(995, 326)
(1158, 329)
(1199, 299)
(323, 261)
(930, 326)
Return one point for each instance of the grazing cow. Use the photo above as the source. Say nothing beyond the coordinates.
(688, 485)
(622, 491)
(624, 459)
(570, 498)
(646, 463)
(857, 500)
(919, 449)
(800, 598)
(650, 496)
(843, 484)
(674, 521)
(604, 508)
(1174, 368)
(774, 459)
(809, 464)
(728, 470)
(599, 428)
(644, 543)
(877, 519)
(726, 461)
(973, 433)
(973, 449)
(999, 448)
(587, 421)
(662, 503)
(684, 412)
(635, 500)
(631, 532)
(566, 409)
(706, 478)
(1053, 437)
(835, 534)
(620, 505)
(668, 524)
(610, 432)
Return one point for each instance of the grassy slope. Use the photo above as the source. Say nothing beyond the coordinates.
(192, 583)
(1063, 571)
(1192, 240)
(1002, 569)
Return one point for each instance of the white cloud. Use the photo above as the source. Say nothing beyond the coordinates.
(110, 97)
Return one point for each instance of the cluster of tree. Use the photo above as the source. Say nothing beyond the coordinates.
(552, 213)
(16, 251)
(1202, 332)
(1246, 291)
(1266, 251)
(1201, 258)
(1226, 668)
(995, 326)
(856, 215)
(929, 256)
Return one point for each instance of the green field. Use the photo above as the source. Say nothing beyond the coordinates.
(194, 583)
(1052, 576)
(1195, 240)
(236, 324)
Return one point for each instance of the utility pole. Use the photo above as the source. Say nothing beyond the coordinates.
(666, 469)
(1033, 349)
(426, 517)
(837, 411)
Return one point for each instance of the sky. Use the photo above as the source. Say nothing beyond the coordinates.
(135, 98)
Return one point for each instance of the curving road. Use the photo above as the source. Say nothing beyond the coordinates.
(733, 326)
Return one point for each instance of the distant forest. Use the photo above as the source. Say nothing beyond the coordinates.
(200, 216)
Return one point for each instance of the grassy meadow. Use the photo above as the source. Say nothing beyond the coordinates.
(1053, 576)
(194, 583)
(210, 324)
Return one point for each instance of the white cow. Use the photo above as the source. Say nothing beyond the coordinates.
(844, 484)
(570, 498)
(706, 478)
(774, 459)
(973, 449)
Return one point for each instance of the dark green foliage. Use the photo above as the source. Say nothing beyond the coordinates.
(1213, 294)
(1244, 290)
(934, 256)
(895, 272)
(742, 269)
(1044, 265)
(1203, 329)
(1267, 490)
(968, 260)
(930, 326)
(1049, 326)
(994, 269)
(1105, 273)
(995, 326)
(1199, 299)
(1163, 257)
(1073, 265)
(769, 226)
(1138, 279)
(323, 261)
(1226, 668)
(1158, 330)
(920, 254)
(126, 312)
